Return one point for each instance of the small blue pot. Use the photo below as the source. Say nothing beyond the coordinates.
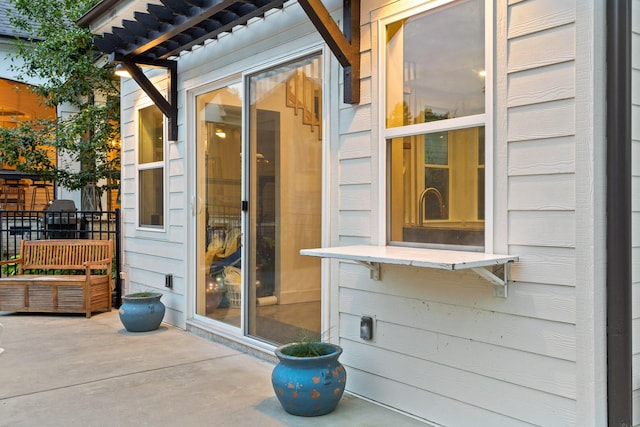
(142, 312)
(309, 386)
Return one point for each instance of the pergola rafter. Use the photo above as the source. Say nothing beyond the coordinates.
(165, 30)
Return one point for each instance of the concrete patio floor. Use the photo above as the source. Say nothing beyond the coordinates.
(63, 370)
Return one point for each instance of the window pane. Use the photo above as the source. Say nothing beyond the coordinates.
(151, 194)
(435, 64)
(437, 188)
(436, 148)
(150, 135)
(285, 207)
(219, 142)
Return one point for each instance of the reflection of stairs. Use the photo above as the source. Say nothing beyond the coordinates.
(304, 94)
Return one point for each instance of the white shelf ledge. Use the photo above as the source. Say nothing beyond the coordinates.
(372, 256)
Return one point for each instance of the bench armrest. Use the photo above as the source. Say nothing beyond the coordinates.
(99, 264)
(11, 261)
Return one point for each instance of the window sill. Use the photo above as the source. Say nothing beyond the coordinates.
(372, 256)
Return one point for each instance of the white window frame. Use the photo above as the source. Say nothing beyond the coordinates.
(379, 252)
(392, 14)
(161, 164)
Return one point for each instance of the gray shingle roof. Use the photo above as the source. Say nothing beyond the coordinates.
(6, 28)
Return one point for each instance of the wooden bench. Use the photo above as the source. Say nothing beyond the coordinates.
(44, 279)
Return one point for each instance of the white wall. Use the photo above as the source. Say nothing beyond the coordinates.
(445, 349)
(9, 62)
(8, 59)
(150, 254)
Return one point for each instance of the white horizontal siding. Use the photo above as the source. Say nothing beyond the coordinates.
(635, 262)
(535, 16)
(542, 192)
(542, 156)
(635, 126)
(355, 197)
(542, 84)
(356, 119)
(355, 146)
(543, 373)
(355, 223)
(635, 76)
(541, 127)
(636, 404)
(551, 229)
(355, 171)
(548, 120)
(430, 406)
(635, 231)
(146, 257)
(514, 402)
(442, 339)
(466, 289)
(553, 339)
(539, 264)
(541, 49)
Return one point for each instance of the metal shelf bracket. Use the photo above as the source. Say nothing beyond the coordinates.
(500, 284)
(374, 269)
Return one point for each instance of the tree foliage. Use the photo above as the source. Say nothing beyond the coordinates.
(61, 55)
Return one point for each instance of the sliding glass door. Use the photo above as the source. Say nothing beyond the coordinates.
(260, 183)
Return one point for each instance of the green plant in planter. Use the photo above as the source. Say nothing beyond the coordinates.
(306, 347)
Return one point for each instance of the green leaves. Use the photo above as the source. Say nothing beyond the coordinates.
(61, 56)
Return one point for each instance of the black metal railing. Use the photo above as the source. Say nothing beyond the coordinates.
(16, 226)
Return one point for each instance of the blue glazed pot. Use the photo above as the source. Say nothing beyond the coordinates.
(142, 312)
(309, 386)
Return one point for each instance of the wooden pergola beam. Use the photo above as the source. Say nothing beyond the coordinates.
(168, 105)
(345, 46)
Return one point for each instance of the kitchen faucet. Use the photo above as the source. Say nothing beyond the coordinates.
(422, 198)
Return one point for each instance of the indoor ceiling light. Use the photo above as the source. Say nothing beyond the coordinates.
(221, 133)
(121, 71)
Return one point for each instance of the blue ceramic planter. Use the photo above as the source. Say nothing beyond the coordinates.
(309, 386)
(142, 312)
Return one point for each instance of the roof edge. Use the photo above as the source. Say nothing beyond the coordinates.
(98, 11)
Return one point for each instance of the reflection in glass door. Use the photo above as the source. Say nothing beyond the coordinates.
(219, 186)
(282, 179)
(285, 183)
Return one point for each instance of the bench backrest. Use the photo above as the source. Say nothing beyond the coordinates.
(63, 254)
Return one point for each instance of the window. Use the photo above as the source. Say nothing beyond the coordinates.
(150, 167)
(435, 119)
